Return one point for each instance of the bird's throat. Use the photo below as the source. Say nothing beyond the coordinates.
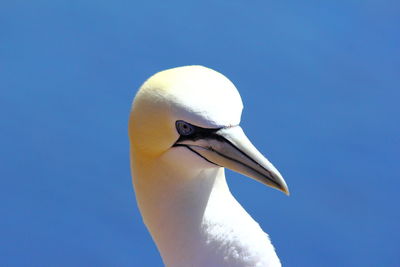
(176, 204)
(194, 219)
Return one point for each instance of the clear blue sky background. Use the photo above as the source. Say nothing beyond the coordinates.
(321, 85)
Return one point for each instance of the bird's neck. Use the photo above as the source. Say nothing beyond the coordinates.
(191, 214)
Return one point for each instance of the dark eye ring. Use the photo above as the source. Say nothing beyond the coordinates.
(184, 128)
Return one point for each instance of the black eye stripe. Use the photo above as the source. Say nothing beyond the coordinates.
(195, 132)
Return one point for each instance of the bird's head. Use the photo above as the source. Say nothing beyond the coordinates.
(191, 115)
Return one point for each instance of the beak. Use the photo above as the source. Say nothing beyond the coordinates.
(230, 148)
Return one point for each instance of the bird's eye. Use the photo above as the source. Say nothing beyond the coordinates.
(184, 128)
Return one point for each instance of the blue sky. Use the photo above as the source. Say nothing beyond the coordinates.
(320, 83)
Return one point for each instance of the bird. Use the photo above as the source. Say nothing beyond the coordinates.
(184, 131)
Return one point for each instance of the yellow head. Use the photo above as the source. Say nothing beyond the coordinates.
(192, 113)
(194, 94)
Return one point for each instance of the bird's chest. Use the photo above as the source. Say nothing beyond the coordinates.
(225, 238)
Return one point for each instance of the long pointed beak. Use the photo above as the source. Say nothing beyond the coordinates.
(230, 148)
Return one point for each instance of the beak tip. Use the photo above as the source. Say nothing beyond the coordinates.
(280, 183)
(285, 190)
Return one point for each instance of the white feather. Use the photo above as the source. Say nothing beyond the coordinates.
(184, 200)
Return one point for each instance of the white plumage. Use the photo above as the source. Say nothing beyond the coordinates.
(184, 128)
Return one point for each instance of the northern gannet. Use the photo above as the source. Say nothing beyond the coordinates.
(183, 130)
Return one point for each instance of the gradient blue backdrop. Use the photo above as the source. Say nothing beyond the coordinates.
(321, 85)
